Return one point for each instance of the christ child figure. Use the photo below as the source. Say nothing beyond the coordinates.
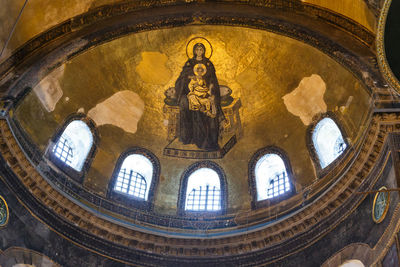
(199, 96)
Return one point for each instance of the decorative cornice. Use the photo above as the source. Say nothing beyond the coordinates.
(267, 244)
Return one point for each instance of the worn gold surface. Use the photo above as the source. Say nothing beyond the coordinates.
(260, 71)
(357, 10)
(39, 16)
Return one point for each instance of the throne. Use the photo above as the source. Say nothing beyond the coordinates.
(230, 130)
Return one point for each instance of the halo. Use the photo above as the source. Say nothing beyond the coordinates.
(199, 65)
(202, 40)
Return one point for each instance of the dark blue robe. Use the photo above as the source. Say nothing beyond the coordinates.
(195, 127)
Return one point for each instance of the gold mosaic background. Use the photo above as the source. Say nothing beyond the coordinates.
(39, 16)
(260, 67)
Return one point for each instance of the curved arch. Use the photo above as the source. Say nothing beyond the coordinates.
(380, 47)
(270, 177)
(18, 256)
(357, 252)
(207, 195)
(73, 146)
(135, 177)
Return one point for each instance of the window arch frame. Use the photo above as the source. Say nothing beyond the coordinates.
(133, 201)
(68, 170)
(311, 147)
(183, 189)
(255, 204)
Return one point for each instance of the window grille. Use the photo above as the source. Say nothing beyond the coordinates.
(74, 145)
(135, 173)
(271, 177)
(203, 191)
(131, 183)
(328, 141)
(204, 199)
(63, 150)
(278, 185)
(340, 146)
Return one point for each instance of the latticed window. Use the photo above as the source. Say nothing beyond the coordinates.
(328, 141)
(74, 145)
(64, 150)
(135, 176)
(278, 185)
(204, 198)
(271, 177)
(203, 191)
(340, 146)
(131, 183)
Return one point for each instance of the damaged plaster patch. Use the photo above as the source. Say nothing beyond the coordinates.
(49, 90)
(123, 109)
(152, 68)
(307, 99)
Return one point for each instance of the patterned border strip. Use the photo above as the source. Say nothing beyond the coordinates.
(196, 154)
(380, 45)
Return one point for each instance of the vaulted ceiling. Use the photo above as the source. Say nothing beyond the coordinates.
(288, 64)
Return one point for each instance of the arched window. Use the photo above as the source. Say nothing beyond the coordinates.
(203, 189)
(134, 178)
(328, 141)
(270, 177)
(74, 144)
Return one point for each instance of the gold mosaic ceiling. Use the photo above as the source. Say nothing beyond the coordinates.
(282, 85)
(119, 71)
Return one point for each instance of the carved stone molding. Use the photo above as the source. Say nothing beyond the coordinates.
(266, 244)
